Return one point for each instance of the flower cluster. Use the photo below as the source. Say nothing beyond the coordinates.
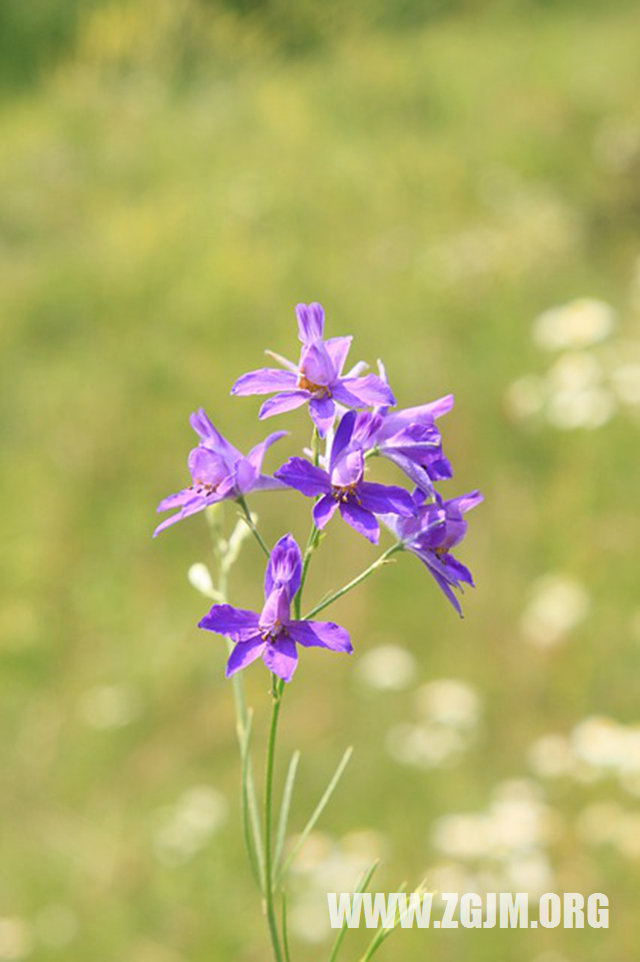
(355, 415)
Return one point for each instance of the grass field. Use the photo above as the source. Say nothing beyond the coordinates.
(436, 188)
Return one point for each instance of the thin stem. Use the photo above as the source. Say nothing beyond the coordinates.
(312, 543)
(356, 581)
(276, 690)
(250, 817)
(315, 446)
(247, 517)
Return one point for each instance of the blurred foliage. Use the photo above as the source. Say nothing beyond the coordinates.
(35, 35)
(171, 187)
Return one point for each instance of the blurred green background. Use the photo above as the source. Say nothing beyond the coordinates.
(175, 175)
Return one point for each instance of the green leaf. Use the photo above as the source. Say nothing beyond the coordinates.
(250, 818)
(284, 808)
(365, 878)
(384, 933)
(319, 809)
(285, 937)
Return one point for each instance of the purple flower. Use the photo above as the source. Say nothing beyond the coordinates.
(317, 378)
(342, 486)
(430, 534)
(272, 635)
(218, 471)
(410, 439)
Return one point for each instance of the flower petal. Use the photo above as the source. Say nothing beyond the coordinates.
(211, 437)
(281, 658)
(304, 477)
(264, 381)
(320, 634)
(366, 429)
(438, 467)
(323, 413)
(323, 511)
(361, 520)
(266, 483)
(447, 591)
(342, 437)
(276, 607)
(310, 321)
(316, 364)
(348, 469)
(337, 349)
(465, 502)
(415, 472)
(245, 476)
(244, 653)
(367, 391)
(385, 499)
(257, 453)
(456, 570)
(208, 466)
(284, 567)
(415, 439)
(191, 507)
(235, 623)
(286, 401)
(448, 573)
(425, 412)
(432, 527)
(177, 500)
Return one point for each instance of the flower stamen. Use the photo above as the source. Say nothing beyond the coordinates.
(203, 487)
(345, 492)
(318, 390)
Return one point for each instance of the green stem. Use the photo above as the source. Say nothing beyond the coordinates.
(356, 581)
(276, 689)
(250, 816)
(247, 517)
(315, 446)
(312, 543)
(285, 937)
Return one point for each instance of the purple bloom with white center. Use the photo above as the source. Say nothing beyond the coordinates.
(317, 378)
(343, 486)
(272, 635)
(218, 471)
(430, 534)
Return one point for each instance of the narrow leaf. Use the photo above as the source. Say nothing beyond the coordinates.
(384, 933)
(250, 817)
(365, 878)
(284, 808)
(285, 935)
(319, 809)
